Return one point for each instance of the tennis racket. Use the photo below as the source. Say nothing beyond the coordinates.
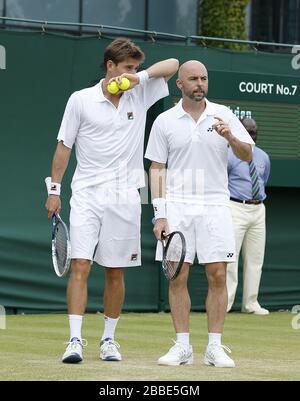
(61, 247)
(174, 250)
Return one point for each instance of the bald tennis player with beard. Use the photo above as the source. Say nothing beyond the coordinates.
(188, 147)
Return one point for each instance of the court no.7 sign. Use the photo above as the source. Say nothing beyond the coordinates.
(2, 58)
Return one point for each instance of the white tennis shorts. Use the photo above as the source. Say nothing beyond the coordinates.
(208, 231)
(105, 226)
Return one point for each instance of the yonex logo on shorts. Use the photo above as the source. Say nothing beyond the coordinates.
(134, 257)
(2, 318)
(229, 255)
(2, 58)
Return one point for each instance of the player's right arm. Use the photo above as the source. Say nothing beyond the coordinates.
(158, 193)
(68, 131)
(165, 68)
(162, 69)
(60, 163)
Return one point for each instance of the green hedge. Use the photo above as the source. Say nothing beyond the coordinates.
(223, 19)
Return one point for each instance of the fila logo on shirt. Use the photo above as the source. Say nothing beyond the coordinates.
(130, 115)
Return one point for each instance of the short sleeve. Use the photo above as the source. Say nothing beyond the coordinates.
(153, 90)
(71, 121)
(157, 148)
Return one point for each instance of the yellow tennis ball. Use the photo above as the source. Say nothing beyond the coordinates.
(124, 84)
(113, 88)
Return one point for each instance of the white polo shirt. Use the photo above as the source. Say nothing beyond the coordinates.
(109, 141)
(196, 155)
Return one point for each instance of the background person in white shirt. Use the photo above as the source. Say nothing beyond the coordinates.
(191, 195)
(108, 133)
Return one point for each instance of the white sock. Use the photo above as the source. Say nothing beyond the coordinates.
(110, 325)
(214, 338)
(183, 338)
(75, 322)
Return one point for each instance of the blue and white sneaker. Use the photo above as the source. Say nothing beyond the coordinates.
(109, 350)
(73, 352)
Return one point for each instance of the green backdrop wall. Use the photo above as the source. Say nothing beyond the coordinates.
(41, 71)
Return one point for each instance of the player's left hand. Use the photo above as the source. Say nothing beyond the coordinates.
(222, 128)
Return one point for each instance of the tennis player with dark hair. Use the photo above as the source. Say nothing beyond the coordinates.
(108, 133)
(191, 195)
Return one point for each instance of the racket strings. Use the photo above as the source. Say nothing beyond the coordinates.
(61, 241)
(169, 268)
(173, 257)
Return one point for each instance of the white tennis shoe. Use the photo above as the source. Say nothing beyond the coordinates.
(216, 356)
(179, 354)
(73, 352)
(109, 350)
(258, 311)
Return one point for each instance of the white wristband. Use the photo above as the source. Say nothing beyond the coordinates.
(159, 207)
(143, 76)
(53, 188)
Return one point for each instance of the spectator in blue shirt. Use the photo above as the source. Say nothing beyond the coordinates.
(247, 193)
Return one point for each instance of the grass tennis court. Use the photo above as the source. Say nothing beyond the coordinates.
(264, 348)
